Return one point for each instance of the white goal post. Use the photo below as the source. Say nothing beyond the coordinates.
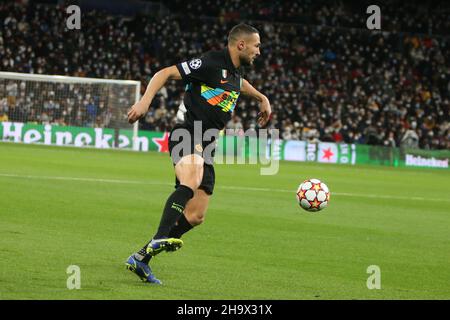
(68, 101)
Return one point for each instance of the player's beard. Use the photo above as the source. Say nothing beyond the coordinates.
(245, 61)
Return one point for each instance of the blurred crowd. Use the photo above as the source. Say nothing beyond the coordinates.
(325, 83)
(65, 104)
(427, 17)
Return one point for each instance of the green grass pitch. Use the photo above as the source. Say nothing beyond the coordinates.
(93, 208)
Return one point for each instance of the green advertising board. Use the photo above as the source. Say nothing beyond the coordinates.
(248, 149)
(399, 157)
(101, 138)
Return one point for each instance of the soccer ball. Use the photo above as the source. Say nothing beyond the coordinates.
(313, 195)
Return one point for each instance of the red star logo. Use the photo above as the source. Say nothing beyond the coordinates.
(163, 143)
(316, 187)
(301, 194)
(327, 154)
(315, 204)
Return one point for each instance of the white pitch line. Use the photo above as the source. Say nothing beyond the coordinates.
(82, 179)
(373, 196)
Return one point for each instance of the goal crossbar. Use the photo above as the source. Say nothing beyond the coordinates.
(62, 79)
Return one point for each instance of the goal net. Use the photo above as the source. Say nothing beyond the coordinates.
(68, 101)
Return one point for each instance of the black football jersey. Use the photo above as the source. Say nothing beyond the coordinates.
(213, 86)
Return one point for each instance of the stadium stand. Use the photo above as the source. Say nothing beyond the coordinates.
(327, 77)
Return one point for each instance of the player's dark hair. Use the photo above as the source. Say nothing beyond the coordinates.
(241, 30)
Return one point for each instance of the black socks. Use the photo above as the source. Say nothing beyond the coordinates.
(181, 227)
(173, 222)
(173, 210)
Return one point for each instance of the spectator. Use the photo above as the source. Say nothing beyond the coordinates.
(3, 115)
(410, 139)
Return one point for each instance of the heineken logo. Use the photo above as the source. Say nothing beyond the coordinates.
(418, 161)
(82, 137)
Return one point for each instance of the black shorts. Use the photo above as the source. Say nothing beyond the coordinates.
(196, 147)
